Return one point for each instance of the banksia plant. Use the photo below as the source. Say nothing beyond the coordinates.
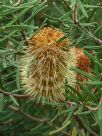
(50, 77)
(46, 65)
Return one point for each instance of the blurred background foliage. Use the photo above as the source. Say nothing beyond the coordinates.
(80, 114)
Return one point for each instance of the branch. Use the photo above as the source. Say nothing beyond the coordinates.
(33, 118)
(52, 125)
(24, 37)
(76, 21)
(75, 18)
(67, 4)
(23, 34)
(15, 95)
(96, 108)
(16, 109)
(82, 126)
(98, 41)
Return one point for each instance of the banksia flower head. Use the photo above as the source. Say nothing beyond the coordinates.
(45, 66)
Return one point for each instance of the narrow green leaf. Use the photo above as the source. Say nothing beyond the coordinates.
(18, 16)
(59, 129)
(84, 113)
(61, 39)
(93, 58)
(82, 8)
(99, 28)
(88, 24)
(87, 93)
(17, 78)
(96, 83)
(91, 6)
(14, 100)
(35, 11)
(80, 109)
(89, 55)
(99, 113)
(8, 116)
(72, 91)
(8, 36)
(73, 2)
(22, 26)
(74, 131)
(83, 73)
(1, 102)
(58, 9)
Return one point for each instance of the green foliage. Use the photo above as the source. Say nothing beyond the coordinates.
(81, 113)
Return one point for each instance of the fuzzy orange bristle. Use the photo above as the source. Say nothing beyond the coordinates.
(47, 37)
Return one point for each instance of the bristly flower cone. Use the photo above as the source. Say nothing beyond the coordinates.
(45, 66)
